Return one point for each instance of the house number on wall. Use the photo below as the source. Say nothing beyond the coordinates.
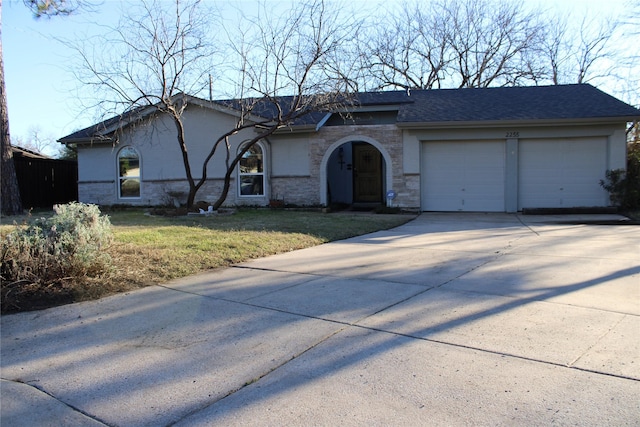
(513, 134)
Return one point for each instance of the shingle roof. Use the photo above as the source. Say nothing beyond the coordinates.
(559, 102)
(424, 107)
(97, 130)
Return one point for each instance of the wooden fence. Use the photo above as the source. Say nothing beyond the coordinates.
(46, 182)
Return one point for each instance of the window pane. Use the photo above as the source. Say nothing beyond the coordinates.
(129, 172)
(251, 185)
(130, 187)
(129, 162)
(251, 161)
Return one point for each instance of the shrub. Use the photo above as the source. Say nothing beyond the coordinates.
(49, 252)
(624, 186)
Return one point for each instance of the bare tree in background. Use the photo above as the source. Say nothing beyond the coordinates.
(630, 56)
(450, 43)
(411, 51)
(580, 54)
(490, 40)
(481, 43)
(36, 141)
(11, 203)
(277, 66)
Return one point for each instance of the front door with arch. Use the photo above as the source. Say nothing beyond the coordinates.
(367, 173)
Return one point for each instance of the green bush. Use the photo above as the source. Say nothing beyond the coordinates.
(624, 185)
(68, 246)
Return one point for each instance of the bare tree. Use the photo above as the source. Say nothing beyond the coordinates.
(410, 51)
(627, 72)
(289, 69)
(451, 43)
(489, 41)
(37, 141)
(11, 203)
(156, 54)
(277, 66)
(578, 54)
(480, 43)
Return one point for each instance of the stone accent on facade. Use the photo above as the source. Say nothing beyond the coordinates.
(411, 197)
(164, 193)
(295, 190)
(390, 138)
(99, 193)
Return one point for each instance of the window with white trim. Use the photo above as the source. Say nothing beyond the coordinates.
(251, 172)
(128, 173)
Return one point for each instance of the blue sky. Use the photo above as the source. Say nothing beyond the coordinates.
(41, 90)
(40, 86)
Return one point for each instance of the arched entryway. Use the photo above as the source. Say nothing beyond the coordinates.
(354, 172)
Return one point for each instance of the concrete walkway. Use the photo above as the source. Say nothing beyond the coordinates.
(451, 319)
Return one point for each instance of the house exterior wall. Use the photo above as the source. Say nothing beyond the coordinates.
(289, 155)
(163, 177)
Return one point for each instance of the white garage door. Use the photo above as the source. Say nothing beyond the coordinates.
(463, 176)
(562, 173)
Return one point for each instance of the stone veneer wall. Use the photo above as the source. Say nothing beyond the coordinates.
(407, 187)
(295, 190)
(166, 192)
(99, 193)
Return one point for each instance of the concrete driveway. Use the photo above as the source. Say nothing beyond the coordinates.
(451, 319)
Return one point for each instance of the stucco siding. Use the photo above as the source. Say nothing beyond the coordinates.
(96, 163)
(162, 169)
(289, 156)
(617, 149)
(161, 157)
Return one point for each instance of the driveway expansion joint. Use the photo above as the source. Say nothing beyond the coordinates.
(71, 407)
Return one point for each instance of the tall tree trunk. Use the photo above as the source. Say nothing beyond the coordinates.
(9, 191)
(177, 120)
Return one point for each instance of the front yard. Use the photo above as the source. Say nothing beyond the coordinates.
(153, 249)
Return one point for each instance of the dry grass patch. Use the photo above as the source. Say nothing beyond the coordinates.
(153, 249)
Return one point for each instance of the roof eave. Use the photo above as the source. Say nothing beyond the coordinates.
(369, 108)
(87, 141)
(296, 129)
(511, 123)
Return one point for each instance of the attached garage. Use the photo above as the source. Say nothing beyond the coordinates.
(560, 173)
(512, 149)
(480, 176)
(463, 176)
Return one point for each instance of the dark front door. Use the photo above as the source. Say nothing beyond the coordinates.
(367, 174)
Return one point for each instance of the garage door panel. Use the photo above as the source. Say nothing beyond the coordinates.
(463, 176)
(562, 173)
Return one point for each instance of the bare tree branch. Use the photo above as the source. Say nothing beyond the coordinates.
(283, 68)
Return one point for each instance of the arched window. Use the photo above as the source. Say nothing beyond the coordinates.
(251, 172)
(128, 173)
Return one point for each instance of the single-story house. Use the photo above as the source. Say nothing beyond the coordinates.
(488, 149)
